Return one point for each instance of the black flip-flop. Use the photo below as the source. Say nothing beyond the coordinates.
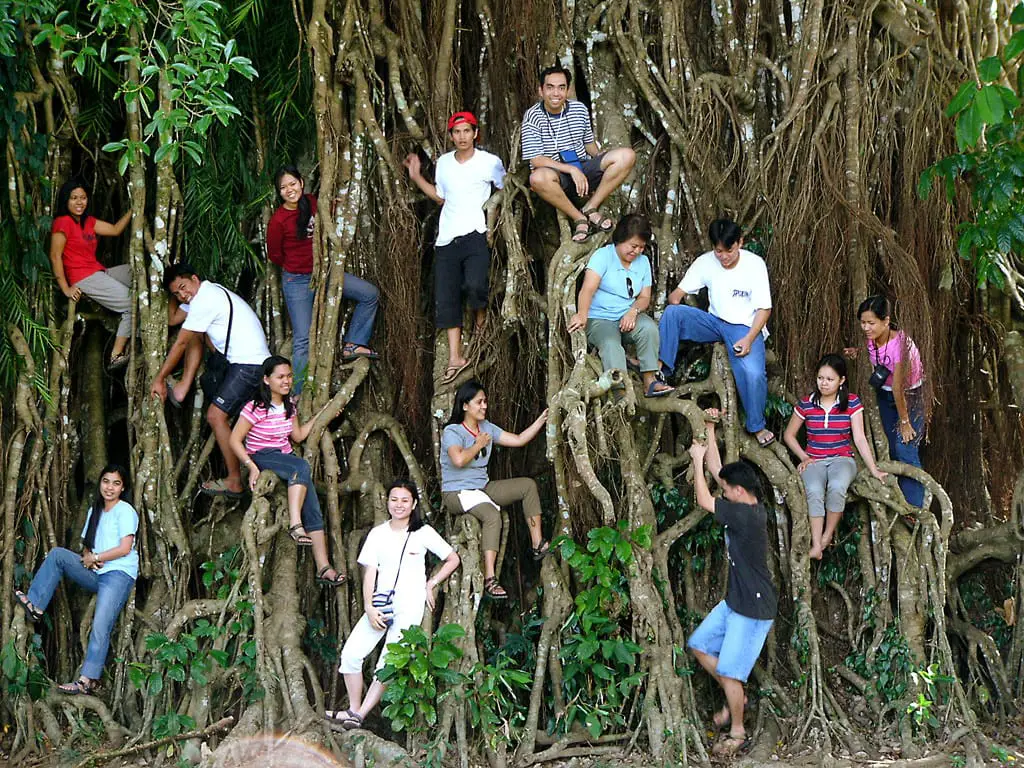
(31, 613)
(221, 490)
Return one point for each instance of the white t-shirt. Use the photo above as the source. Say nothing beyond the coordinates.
(383, 550)
(465, 188)
(208, 313)
(734, 294)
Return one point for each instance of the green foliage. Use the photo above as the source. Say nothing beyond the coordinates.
(990, 160)
(889, 671)
(841, 563)
(982, 608)
(320, 642)
(23, 676)
(599, 659)
(929, 695)
(172, 724)
(220, 574)
(414, 667)
(498, 700)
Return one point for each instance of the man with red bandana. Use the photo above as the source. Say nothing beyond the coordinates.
(463, 181)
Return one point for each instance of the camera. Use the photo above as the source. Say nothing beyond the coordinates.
(879, 376)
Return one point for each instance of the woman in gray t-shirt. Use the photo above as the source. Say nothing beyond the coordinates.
(466, 448)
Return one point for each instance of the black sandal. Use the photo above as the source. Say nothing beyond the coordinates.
(539, 553)
(31, 612)
(581, 235)
(598, 225)
(302, 539)
(494, 590)
(83, 686)
(337, 581)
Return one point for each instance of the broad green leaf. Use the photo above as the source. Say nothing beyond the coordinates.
(963, 98)
(1015, 46)
(989, 104)
(989, 69)
(968, 128)
(1017, 17)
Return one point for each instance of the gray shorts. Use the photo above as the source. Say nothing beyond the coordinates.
(826, 482)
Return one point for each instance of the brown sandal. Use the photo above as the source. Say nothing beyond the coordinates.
(494, 590)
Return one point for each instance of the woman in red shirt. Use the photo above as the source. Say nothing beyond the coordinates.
(290, 246)
(73, 257)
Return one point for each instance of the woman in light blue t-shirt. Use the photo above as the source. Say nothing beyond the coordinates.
(612, 304)
(108, 566)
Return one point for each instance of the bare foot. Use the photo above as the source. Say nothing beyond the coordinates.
(815, 553)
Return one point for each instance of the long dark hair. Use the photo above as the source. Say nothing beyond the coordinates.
(837, 364)
(305, 208)
(415, 519)
(465, 393)
(263, 398)
(64, 196)
(880, 306)
(89, 539)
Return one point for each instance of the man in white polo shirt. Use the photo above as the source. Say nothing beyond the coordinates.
(740, 303)
(233, 330)
(463, 182)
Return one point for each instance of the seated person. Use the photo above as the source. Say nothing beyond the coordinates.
(740, 304)
(234, 331)
(616, 291)
(108, 567)
(566, 163)
(463, 182)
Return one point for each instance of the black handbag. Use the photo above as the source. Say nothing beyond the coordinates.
(216, 368)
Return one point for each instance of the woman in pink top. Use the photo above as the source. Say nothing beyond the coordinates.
(897, 377)
(262, 439)
(73, 258)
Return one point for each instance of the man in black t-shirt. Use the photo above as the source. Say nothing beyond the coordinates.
(729, 640)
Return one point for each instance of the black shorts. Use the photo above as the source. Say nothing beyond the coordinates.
(591, 169)
(238, 388)
(460, 269)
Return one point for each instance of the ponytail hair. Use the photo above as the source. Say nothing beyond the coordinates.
(880, 306)
(263, 398)
(415, 519)
(837, 364)
(89, 539)
(305, 207)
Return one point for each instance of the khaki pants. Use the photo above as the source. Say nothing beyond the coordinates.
(503, 493)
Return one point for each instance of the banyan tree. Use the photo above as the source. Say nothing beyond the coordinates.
(866, 146)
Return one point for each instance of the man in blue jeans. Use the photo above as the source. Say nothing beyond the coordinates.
(740, 303)
(728, 642)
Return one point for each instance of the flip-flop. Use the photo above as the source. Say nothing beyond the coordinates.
(652, 390)
(765, 442)
(31, 612)
(730, 746)
(452, 372)
(218, 488)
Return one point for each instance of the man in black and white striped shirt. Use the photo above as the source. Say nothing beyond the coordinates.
(567, 164)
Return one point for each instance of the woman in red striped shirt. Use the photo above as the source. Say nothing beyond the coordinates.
(262, 439)
(832, 416)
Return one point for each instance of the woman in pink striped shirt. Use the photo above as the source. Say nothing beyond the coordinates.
(262, 440)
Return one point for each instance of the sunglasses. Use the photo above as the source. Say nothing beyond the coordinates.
(629, 287)
(483, 454)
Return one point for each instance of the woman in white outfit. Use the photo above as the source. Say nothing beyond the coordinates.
(393, 559)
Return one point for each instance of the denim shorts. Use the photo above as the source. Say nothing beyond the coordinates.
(736, 640)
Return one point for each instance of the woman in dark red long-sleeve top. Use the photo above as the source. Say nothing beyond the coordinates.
(290, 246)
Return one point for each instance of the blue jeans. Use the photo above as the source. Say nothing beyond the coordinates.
(299, 299)
(681, 322)
(111, 588)
(908, 453)
(294, 471)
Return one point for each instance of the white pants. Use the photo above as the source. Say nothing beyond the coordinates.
(364, 638)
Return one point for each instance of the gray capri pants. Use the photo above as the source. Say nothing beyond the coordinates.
(826, 481)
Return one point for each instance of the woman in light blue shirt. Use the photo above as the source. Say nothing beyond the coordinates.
(612, 302)
(108, 566)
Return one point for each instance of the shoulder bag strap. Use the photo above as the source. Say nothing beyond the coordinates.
(400, 558)
(231, 319)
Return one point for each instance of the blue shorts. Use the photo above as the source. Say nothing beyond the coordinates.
(735, 640)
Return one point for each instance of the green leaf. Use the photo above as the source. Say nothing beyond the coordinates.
(963, 98)
(968, 128)
(156, 683)
(989, 104)
(1015, 46)
(176, 672)
(1017, 16)
(989, 69)
(924, 184)
(593, 724)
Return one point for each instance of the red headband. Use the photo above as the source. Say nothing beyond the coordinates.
(461, 117)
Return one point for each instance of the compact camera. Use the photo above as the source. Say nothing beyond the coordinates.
(879, 376)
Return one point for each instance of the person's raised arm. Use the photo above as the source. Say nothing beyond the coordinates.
(860, 439)
(513, 440)
(413, 166)
(112, 230)
(700, 485)
(713, 459)
(174, 355)
(790, 439)
(591, 282)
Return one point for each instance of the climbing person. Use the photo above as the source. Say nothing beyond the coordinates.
(566, 164)
(107, 566)
(290, 246)
(463, 181)
(262, 439)
(395, 592)
(897, 377)
(833, 417)
(729, 640)
(234, 363)
(740, 303)
(466, 449)
(612, 302)
(73, 258)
